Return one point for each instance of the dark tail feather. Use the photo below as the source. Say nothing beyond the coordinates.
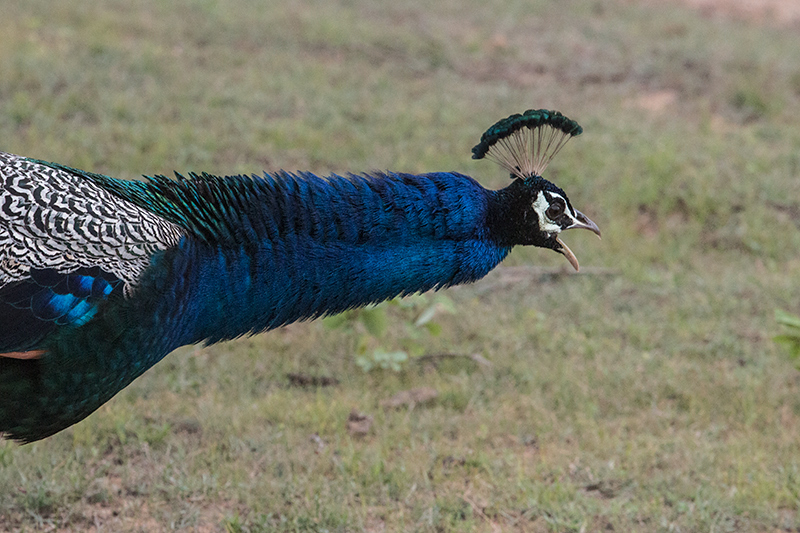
(33, 407)
(21, 401)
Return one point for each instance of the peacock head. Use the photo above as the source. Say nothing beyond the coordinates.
(534, 210)
(542, 211)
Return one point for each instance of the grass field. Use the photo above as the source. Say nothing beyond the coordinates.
(646, 394)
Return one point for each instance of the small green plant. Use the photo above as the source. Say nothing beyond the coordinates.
(750, 103)
(792, 338)
(233, 524)
(384, 360)
(413, 315)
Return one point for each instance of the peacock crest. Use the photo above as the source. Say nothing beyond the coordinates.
(524, 144)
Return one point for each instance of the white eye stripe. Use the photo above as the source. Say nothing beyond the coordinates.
(540, 205)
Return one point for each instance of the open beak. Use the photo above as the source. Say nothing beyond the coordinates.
(583, 222)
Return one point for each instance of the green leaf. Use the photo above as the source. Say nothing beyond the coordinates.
(412, 302)
(362, 344)
(792, 343)
(364, 362)
(390, 360)
(427, 315)
(375, 320)
(335, 321)
(434, 328)
(442, 305)
(787, 319)
(446, 305)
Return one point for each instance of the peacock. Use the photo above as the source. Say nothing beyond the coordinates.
(101, 278)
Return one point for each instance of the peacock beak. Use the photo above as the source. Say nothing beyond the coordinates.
(581, 222)
(585, 223)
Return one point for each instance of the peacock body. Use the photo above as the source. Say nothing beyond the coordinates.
(101, 278)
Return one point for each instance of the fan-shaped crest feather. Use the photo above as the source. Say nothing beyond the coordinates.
(524, 144)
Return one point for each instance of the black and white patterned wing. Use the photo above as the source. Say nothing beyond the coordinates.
(66, 245)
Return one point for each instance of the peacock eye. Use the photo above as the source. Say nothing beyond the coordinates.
(556, 209)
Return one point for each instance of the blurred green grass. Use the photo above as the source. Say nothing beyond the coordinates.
(650, 399)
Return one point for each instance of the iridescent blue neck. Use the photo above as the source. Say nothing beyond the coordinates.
(323, 246)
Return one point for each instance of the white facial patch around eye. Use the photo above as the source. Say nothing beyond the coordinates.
(540, 205)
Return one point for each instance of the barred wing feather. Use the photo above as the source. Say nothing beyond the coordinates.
(66, 244)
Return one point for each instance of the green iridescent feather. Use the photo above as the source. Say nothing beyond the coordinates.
(532, 118)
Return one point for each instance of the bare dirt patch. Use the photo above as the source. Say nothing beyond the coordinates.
(656, 101)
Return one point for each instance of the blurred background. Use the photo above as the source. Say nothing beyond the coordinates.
(647, 393)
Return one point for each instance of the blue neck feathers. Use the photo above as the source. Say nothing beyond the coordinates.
(298, 247)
